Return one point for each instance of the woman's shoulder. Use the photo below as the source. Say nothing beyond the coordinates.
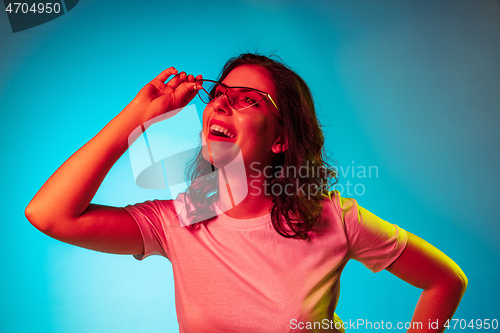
(341, 204)
(153, 209)
(162, 205)
(339, 211)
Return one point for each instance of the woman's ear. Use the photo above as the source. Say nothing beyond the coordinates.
(280, 145)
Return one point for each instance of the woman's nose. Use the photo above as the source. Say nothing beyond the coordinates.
(222, 104)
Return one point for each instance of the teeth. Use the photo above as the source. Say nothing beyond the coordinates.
(222, 130)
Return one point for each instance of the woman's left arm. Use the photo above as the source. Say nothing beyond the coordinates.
(443, 282)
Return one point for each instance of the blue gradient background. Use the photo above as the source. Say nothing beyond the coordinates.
(408, 86)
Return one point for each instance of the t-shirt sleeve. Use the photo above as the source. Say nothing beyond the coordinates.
(372, 241)
(151, 220)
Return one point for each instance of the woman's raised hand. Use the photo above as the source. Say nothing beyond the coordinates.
(62, 207)
(158, 97)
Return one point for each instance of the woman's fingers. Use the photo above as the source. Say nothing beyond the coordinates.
(192, 79)
(193, 84)
(199, 82)
(163, 76)
(182, 87)
(188, 85)
(176, 80)
(165, 93)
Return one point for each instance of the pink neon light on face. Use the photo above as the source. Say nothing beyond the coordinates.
(251, 129)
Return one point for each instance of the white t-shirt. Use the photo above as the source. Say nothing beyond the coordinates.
(236, 275)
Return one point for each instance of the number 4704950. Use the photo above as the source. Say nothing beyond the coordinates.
(36, 8)
(474, 324)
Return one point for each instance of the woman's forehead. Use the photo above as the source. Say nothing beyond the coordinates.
(251, 76)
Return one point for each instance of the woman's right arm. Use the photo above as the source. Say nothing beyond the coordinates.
(62, 209)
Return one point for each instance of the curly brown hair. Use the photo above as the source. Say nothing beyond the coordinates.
(294, 215)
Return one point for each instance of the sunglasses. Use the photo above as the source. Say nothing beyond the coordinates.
(238, 97)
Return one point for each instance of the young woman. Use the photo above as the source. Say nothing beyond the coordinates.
(256, 245)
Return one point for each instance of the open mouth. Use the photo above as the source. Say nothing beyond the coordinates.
(221, 131)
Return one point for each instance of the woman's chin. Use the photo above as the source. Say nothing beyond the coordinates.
(220, 153)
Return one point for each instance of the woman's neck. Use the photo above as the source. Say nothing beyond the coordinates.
(242, 196)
